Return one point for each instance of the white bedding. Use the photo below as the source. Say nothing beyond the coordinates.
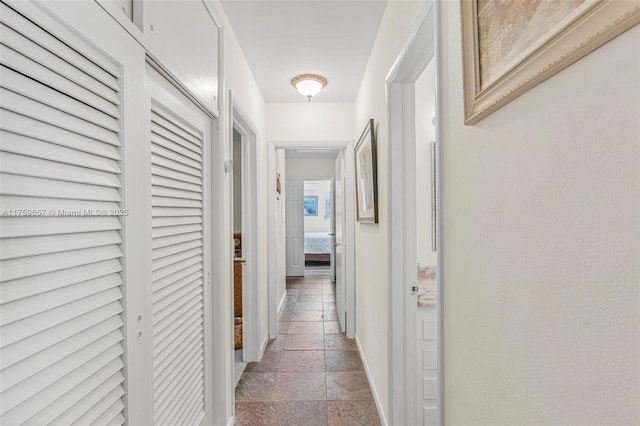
(317, 242)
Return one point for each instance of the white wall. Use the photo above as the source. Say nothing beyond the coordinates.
(281, 226)
(425, 134)
(318, 223)
(542, 253)
(318, 121)
(247, 96)
(372, 287)
(310, 167)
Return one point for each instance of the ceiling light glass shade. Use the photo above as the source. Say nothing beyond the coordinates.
(309, 85)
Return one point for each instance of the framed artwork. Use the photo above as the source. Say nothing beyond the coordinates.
(509, 47)
(367, 176)
(310, 205)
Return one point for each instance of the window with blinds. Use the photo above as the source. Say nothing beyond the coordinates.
(61, 295)
(177, 258)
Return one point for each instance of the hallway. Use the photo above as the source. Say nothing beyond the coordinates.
(311, 374)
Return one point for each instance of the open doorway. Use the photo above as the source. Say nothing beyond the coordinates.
(239, 261)
(243, 224)
(326, 170)
(416, 315)
(314, 198)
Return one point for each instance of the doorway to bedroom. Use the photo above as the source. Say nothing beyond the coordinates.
(318, 227)
(310, 213)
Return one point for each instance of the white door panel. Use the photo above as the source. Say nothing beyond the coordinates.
(295, 227)
(340, 253)
(179, 130)
(61, 259)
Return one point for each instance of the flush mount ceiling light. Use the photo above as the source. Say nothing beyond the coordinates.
(309, 84)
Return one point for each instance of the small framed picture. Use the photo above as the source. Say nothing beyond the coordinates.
(367, 176)
(311, 205)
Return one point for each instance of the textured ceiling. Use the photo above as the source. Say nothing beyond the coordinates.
(282, 39)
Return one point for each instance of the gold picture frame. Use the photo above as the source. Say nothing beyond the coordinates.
(508, 48)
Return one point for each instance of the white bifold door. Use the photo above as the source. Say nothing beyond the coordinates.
(179, 131)
(295, 227)
(105, 213)
(61, 222)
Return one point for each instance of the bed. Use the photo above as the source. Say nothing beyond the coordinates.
(317, 246)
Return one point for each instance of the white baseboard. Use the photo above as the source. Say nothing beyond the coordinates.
(374, 391)
(232, 421)
(284, 295)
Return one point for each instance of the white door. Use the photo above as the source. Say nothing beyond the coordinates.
(339, 218)
(62, 336)
(332, 227)
(295, 227)
(179, 135)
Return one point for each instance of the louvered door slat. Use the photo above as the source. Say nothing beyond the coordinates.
(15, 80)
(61, 283)
(40, 67)
(16, 331)
(94, 405)
(31, 226)
(48, 205)
(166, 231)
(45, 169)
(12, 184)
(24, 348)
(23, 267)
(41, 360)
(161, 182)
(175, 249)
(25, 308)
(177, 268)
(33, 128)
(18, 410)
(112, 416)
(181, 287)
(158, 160)
(28, 107)
(18, 144)
(168, 193)
(177, 178)
(26, 287)
(179, 382)
(161, 242)
(182, 132)
(167, 362)
(85, 390)
(95, 66)
(175, 277)
(172, 145)
(168, 318)
(180, 224)
(23, 247)
(186, 401)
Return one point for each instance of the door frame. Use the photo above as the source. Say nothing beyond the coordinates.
(304, 180)
(420, 49)
(349, 231)
(251, 342)
(292, 180)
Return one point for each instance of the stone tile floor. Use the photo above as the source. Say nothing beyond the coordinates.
(311, 374)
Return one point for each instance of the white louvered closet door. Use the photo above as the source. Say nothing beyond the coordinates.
(178, 134)
(61, 281)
